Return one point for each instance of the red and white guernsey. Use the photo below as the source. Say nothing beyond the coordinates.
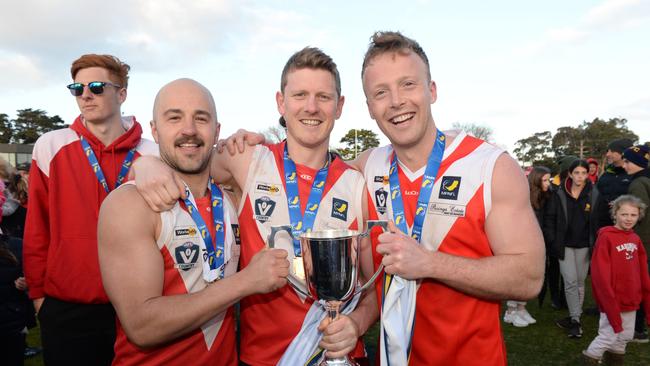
(451, 328)
(269, 322)
(179, 243)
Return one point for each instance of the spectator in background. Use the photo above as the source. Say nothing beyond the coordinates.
(13, 209)
(593, 170)
(16, 312)
(23, 169)
(614, 181)
(620, 282)
(571, 225)
(539, 183)
(635, 163)
(564, 163)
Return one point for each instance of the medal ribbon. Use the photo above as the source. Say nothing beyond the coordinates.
(300, 223)
(213, 267)
(94, 164)
(428, 180)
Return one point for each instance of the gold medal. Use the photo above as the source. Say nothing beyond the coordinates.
(298, 268)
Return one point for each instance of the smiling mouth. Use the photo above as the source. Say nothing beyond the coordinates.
(311, 122)
(401, 118)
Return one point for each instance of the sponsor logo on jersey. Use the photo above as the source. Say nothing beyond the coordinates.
(185, 231)
(264, 207)
(268, 188)
(186, 255)
(445, 209)
(340, 209)
(449, 187)
(411, 193)
(381, 179)
(306, 177)
(380, 199)
(235, 231)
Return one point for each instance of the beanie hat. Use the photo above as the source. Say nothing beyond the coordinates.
(619, 145)
(638, 155)
(565, 162)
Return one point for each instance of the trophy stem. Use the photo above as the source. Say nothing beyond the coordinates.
(332, 308)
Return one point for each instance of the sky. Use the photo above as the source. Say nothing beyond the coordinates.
(518, 67)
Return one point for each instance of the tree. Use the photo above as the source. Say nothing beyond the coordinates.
(590, 139)
(31, 124)
(478, 131)
(357, 141)
(6, 129)
(275, 134)
(535, 150)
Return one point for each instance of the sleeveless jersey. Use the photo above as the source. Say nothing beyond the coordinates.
(269, 322)
(179, 243)
(451, 328)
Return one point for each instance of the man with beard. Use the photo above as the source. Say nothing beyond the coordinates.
(171, 276)
(279, 182)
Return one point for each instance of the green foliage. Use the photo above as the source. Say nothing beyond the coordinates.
(365, 139)
(32, 123)
(6, 129)
(534, 149)
(589, 139)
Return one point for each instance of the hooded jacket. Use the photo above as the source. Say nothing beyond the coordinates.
(60, 244)
(619, 274)
(556, 220)
(640, 187)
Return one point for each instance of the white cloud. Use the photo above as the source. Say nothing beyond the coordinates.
(608, 15)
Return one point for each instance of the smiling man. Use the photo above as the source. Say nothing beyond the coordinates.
(72, 171)
(278, 182)
(465, 241)
(172, 276)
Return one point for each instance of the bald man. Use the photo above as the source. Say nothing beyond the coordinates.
(171, 276)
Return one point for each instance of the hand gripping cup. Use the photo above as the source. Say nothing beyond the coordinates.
(330, 268)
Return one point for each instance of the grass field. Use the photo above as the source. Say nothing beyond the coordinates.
(538, 344)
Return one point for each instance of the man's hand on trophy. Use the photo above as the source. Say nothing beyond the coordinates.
(267, 271)
(339, 336)
(403, 255)
(158, 184)
(237, 142)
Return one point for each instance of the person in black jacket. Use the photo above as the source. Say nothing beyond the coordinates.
(16, 312)
(571, 223)
(614, 181)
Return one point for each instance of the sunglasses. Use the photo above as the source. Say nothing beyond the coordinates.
(95, 87)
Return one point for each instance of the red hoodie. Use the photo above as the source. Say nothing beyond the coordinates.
(60, 243)
(619, 274)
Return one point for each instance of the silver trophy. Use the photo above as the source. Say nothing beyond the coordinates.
(330, 268)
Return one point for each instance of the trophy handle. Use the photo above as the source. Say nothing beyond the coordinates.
(372, 223)
(271, 243)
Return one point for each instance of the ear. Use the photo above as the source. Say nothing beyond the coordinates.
(216, 132)
(121, 95)
(154, 130)
(434, 91)
(339, 107)
(279, 100)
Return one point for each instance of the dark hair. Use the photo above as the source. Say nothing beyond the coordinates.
(393, 42)
(310, 58)
(116, 68)
(537, 195)
(578, 163)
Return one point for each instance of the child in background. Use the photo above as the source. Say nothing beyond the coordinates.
(620, 282)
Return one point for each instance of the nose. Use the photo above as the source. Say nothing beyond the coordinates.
(396, 99)
(189, 127)
(311, 106)
(86, 93)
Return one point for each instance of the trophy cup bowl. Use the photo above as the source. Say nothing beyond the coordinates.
(330, 268)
